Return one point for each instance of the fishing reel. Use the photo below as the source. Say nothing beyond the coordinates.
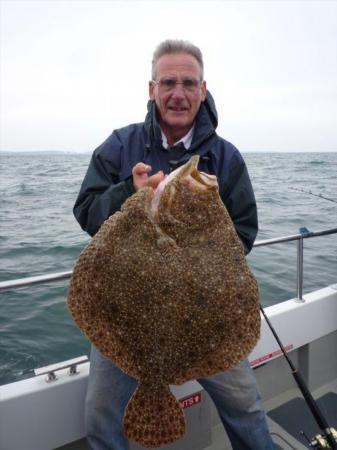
(320, 441)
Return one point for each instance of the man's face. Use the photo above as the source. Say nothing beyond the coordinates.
(177, 104)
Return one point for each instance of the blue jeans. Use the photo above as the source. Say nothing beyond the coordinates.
(234, 393)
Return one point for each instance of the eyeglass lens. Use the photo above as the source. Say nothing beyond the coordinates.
(189, 84)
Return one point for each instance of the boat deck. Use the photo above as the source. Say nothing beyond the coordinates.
(288, 415)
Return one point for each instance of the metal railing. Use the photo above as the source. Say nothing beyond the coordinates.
(28, 281)
(303, 234)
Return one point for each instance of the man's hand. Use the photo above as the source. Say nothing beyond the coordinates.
(141, 178)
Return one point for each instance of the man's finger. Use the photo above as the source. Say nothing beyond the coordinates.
(155, 179)
(141, 168)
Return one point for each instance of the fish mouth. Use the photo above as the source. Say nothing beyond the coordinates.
(196, 180)
(188, 174)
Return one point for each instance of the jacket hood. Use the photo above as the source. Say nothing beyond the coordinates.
(206, 121)
(210, 108)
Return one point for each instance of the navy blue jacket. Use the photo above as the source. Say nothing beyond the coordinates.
(108, 181)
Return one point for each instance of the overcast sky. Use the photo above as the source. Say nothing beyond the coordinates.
(74, 70)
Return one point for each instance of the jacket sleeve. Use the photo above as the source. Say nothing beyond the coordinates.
(239, 199)
(101, 193)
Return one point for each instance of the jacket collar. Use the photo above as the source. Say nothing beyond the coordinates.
(185, 140)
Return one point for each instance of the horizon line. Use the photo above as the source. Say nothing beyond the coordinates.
(241, 151)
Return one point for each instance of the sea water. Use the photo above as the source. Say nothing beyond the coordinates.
(39, 235)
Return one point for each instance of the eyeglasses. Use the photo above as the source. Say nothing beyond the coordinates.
(168, 84)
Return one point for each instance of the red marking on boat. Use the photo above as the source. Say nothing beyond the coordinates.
(190, 401)
(270, 355)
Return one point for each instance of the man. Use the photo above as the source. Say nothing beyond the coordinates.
(180, 122)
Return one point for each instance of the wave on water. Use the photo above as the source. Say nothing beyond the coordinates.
(318, 163)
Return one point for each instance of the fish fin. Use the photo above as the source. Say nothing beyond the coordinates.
(153, 417)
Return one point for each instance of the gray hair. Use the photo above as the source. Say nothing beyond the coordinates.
(176, 46)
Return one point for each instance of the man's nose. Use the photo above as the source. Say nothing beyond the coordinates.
(178, 91)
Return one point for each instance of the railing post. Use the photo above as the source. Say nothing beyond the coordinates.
(303, 232)
(300, 270)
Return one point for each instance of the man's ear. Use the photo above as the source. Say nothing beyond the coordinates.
(203, 90)
(151, 90)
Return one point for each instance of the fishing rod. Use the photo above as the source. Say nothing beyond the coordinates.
(329, 433)
(311, 193)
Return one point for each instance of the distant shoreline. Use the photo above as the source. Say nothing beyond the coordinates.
(86, 152)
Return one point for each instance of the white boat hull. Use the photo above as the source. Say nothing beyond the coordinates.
(36, 415)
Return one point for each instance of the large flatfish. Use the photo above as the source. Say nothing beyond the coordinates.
(164, 291)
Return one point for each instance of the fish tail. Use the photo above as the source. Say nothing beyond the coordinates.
(153, 417)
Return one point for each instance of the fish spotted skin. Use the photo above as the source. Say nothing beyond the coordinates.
(153, 416)
(166, 294)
